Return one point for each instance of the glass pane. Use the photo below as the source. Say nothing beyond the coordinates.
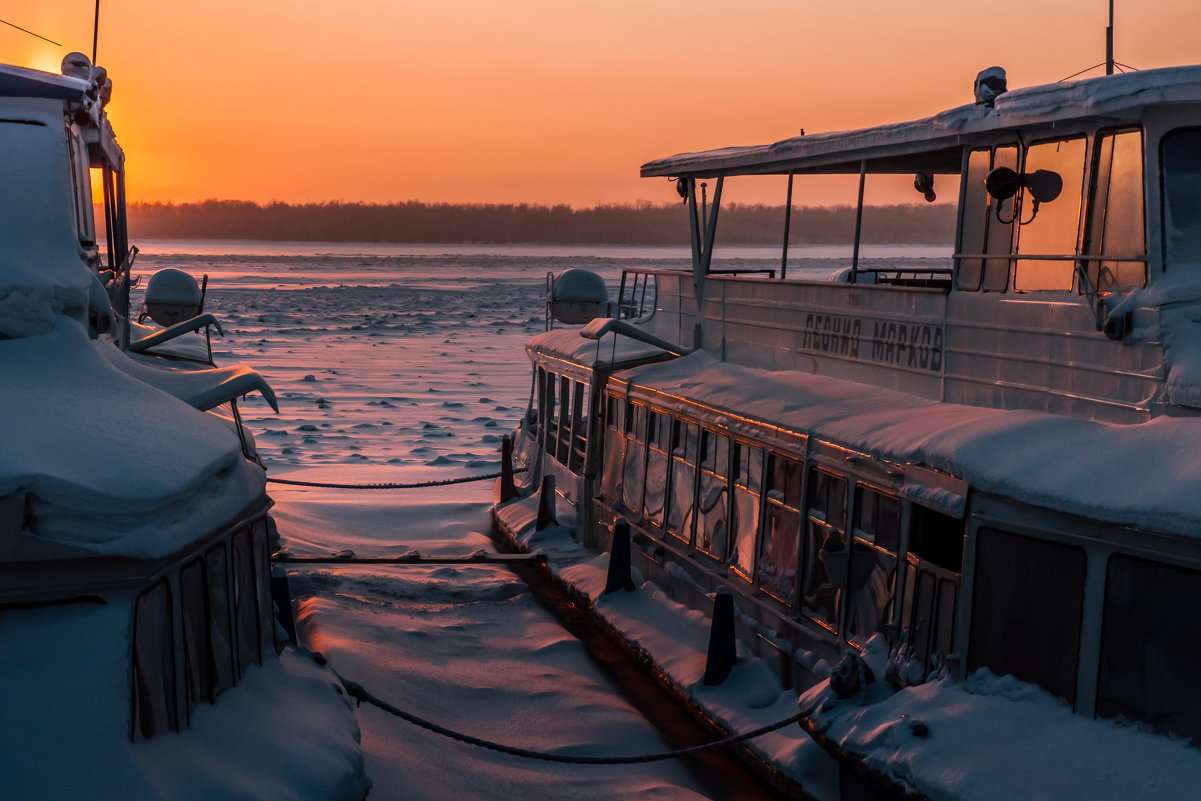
(154, 662)
(936, 538)
(712, 505)
(262, 580)
(1151, 646)
(245, 602)
(1054, 229)
(878, 519)
(715, 453)
(656, 486)
(975, 220)
(784, 480)
(679, 520)
(579, 435)
(778, 559)
(746, 527)
(219, 623)
(825, 566)
(197, 661)
(1181, 161)
(1000, 228)
(1026, 608)
(870, 583)
(1117, 212)
(611, 471)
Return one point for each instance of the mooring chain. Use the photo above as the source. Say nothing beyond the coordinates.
(420, 485)
(358, 692)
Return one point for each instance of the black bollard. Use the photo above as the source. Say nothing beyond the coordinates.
(508, 490)
(619, 559)
(546, 504)
(281, 595)
(722, 651)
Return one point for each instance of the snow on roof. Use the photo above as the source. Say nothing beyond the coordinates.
(1142, 475)
(23, 82)
(611, 349)
(1119, 96)
(110, 463)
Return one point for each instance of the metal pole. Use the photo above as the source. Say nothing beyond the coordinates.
(95, 32)
(1109, 42)
(787, 225)
(858, 222)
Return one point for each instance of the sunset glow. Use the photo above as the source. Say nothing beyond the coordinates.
(537, 100)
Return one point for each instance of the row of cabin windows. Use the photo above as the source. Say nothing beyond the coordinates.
(1024, 246)
(1027, 609)
(788, 531)
(224, 621)
(562, 423)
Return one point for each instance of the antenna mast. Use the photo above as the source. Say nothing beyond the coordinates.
(1108, 40)
(95, 29)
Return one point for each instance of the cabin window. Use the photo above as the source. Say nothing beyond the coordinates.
(1055, 229)
(748, 481)
(1180, 157)
(777, 568)
(1026, 610)
(216, 572)
(579, 433)
(246, 603)
(614, 447)
(262, 571)
(713, 501)
(658, 443)
(196, 638)
(567, 400)
(826, 554)
(683, 479)
(932, 572)
(154, 662)
(987, 224)
(873, 572)
(634, 463)
(1116, 208)
(1151, 646)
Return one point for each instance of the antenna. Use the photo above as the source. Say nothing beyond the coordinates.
(1108, 41)
(95, 29)
(31, 33)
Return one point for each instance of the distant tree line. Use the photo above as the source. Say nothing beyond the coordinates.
(636, 224)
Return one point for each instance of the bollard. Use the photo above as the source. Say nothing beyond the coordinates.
(546, 504)
(281, 595)
(508, 490)
(619, 559)
(722, 651)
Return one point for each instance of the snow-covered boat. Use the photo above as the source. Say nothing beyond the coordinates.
(142, 657)
(956, 505)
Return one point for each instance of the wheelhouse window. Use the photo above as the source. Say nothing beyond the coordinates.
(1053, 229)
(1180, 159)
(684, 441)
(1026, 610)
(987, 224)
(1151, 645)
(826, 555)
(777, 568)
(748, 483)
(873, 571)
(713, 499)
(1115, 228)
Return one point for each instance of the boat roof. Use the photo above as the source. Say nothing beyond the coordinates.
(935, 143)
(23, 82)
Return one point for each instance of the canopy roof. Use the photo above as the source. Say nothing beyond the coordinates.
(935, 143)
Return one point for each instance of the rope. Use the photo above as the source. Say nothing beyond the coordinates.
(420, 485)
(358, 692)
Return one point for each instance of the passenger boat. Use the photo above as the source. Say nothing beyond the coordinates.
(956, 505)
(142, 656)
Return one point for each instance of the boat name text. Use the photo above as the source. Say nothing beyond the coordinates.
(913, 345)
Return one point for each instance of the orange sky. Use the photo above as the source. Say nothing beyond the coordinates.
(541, 101)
